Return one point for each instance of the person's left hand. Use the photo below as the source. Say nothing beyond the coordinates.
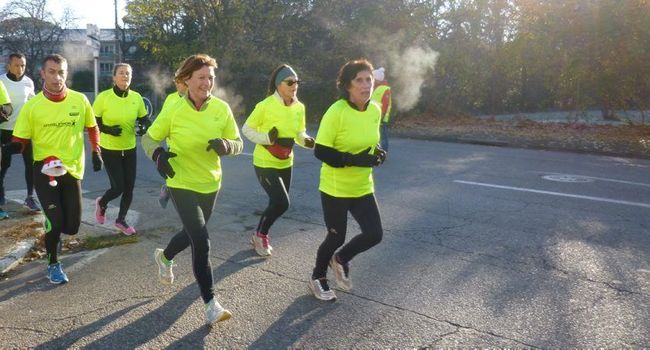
(381, 153)
(221, 146)
(310, 142)
(143, 125)
(97, 161)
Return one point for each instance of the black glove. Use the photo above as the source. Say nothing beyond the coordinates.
(97, 161)
(310, 142)
(12, 148)
(161, 157)
(362, 159)
(273, 134)
(286, 142)
(379, 152)
(221, 146)
(114, 130)
(142, 124)
(5, 111)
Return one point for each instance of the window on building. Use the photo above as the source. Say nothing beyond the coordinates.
(107, 49)
(106, 68)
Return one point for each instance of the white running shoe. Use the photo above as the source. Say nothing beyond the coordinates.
(165, 274)
(262, 244)
(341, 274)
(214, 312)
(321, 289)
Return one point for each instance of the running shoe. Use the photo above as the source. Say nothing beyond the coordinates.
(163, 197)
(30, 203)
(341, 273)
(321, 289)
(124, 227)
(165, 274)
(214, 312)
(100, 212)
(3, 215)
(261, 244)
(55, 274)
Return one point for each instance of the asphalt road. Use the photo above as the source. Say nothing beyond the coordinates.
(483, 247)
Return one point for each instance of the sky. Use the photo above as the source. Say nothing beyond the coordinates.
(100, 12)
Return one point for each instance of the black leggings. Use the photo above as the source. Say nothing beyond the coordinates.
(120, 167)
(194, 209)
(335, 210)
(28, 160)
(61, 207)
(276, 183)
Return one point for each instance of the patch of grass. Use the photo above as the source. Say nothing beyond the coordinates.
(92, 243)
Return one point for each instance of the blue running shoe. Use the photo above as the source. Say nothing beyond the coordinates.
(30, 203)
(163, 198)
(3, 215)
(55, 274)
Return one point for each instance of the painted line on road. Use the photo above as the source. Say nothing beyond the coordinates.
(599, 178)
(578, 196)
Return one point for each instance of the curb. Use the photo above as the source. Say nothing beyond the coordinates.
(16, 256)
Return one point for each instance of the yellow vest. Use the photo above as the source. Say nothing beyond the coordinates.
(377, 96)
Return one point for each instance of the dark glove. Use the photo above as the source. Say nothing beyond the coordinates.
(114, 130)
(97, 161)
(310, 142)
(379, 152)
(221, 146)
(161, 157)
(142, 124)
(362, 159)
(12, 148)
(5, 111)
(273, 134)
(286, 142)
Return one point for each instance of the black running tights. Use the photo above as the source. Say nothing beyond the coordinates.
(61, 206)
(335, 210)
(194, 209)
(276, 183)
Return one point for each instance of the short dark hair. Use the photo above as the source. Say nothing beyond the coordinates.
(348, 72)
(15, 55)
(56, 58)
(271, 89)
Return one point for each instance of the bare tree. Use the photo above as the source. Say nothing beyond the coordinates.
(28, 27)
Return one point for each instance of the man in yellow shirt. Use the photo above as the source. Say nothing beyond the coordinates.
(54, 121)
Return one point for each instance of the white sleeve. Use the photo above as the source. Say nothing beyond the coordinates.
(254, 136)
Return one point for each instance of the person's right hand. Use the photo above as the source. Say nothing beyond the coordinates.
(5, 111)
(273, 134)
(114, 130)
(363, 159)
(161, 157)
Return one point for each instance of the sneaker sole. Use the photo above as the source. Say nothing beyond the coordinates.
(311, 289)
(226, 315)
(160, 278)
(346, 286)
(62, 282)
(261, 253)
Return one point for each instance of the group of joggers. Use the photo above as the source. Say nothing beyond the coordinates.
(193, 130)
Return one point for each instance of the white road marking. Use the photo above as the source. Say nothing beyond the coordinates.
(600, 178)
(522, 189)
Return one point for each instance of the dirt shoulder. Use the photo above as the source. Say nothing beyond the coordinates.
(623, 140)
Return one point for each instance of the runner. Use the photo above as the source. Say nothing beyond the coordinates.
(20, 88)
(5, 111)
(199, 129)
(347, 145)
(118, 110)
(54, 122)
(277, 122)
(181, 90)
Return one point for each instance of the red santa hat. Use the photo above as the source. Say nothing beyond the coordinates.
(52, 167)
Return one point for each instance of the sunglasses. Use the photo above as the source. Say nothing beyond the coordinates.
(291, 82)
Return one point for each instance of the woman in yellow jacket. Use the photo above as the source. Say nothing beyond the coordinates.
(199, 129)
(275, 125)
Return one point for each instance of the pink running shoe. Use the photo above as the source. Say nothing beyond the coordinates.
(100, 213)
(124, 227)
